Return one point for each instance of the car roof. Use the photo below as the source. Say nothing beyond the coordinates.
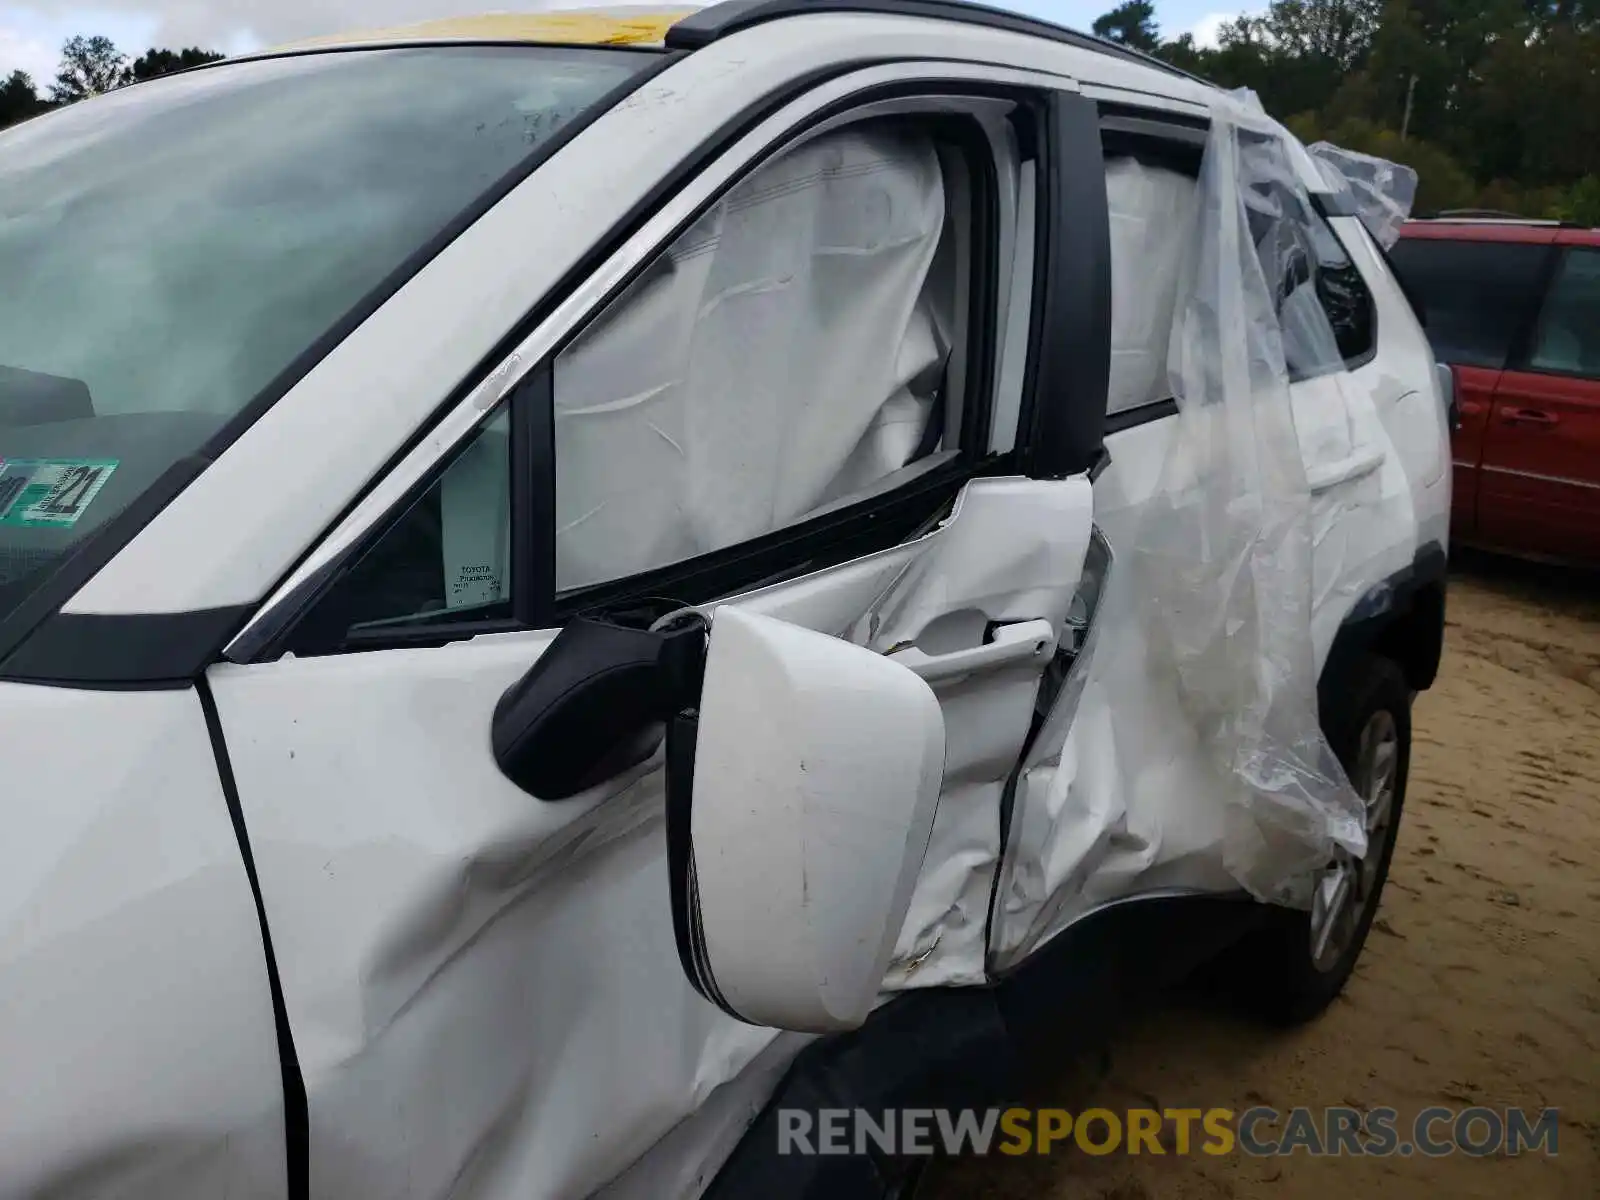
(689, 27)
(1500, 229)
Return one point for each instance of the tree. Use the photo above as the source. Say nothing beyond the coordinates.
(156, 62)
(1333, 32)
(90, 66)
(19, 100)
(1182, 53)
(1581, 203)
(1533, 111)
(1498, 100)
(1132, 23)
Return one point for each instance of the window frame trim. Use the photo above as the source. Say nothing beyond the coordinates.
(726, 156)
(1069, 343)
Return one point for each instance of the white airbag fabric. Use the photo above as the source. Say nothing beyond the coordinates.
(784, 354)
(1152, 219)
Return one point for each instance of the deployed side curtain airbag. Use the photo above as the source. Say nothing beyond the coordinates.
(786, 353)
(1152, 219)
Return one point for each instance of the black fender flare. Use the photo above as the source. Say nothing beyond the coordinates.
(1401, 618)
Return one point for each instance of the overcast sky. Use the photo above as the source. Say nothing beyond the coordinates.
(31, 33)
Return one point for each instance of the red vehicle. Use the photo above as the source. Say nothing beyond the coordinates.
(1514, 307)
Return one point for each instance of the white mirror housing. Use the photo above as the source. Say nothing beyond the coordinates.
(816, 772)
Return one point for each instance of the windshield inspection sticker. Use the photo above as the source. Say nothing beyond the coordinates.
(50, 492)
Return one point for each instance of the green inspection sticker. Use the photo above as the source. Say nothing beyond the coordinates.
(50, 492)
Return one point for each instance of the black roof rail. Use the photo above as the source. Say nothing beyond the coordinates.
(702, 28)
(1495, 214)
(1489, 213)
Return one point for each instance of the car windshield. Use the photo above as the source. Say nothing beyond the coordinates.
(175, 250)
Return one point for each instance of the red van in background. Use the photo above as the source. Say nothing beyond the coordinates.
(1514, 307)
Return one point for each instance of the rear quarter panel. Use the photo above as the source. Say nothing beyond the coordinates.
(1402, 380)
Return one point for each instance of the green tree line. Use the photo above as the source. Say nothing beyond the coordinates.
(1495, 103)
(89, 67)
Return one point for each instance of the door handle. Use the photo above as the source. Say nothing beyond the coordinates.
(1529, 416)
(1018, 642)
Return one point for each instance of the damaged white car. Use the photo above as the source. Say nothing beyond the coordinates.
(569, 584)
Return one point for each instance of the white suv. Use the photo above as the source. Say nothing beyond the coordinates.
(569, 584)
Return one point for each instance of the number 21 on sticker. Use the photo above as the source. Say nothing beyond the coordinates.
(72, 490)
(50, 491)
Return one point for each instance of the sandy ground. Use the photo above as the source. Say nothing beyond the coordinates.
(1480, 983)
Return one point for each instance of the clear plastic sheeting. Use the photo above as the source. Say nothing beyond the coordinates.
(1383, 191)
(785, 354)
(1221, 558)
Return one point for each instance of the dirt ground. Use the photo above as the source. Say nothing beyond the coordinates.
(1480, 984)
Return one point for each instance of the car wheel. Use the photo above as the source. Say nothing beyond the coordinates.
(1292, 969)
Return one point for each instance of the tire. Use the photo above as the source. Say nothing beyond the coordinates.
(1276, 975)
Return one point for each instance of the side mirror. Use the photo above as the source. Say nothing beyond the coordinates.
(596, 703)
(801, 796)
(802, 777)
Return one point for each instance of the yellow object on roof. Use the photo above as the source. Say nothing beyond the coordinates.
(576, 27)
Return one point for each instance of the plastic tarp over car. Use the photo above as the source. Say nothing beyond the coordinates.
(1223, 558)
(1186, 745)
(1382, 191)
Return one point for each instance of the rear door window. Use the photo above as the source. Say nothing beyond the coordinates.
(1568, 341)
(1477, 295)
